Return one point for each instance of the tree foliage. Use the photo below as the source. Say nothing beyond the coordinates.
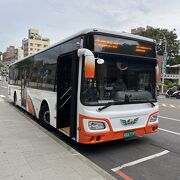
(1, 65)
(161, 35)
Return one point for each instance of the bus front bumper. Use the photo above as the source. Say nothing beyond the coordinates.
(93, 138)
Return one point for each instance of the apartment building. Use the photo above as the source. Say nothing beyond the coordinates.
(34, 43)
(11, 55)
(140, 29)
(173, 73)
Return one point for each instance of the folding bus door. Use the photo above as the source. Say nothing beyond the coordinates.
(67, 80)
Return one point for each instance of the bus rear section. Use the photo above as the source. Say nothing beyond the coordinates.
(117, 90)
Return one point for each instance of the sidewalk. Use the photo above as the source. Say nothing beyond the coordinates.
(29, 152)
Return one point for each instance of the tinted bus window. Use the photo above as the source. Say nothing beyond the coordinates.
(11, 74)
(35, 78)
(49, 68)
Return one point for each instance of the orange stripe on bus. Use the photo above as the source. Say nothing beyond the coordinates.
(30, 106)
(123, 175)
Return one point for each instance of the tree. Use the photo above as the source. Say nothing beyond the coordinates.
(173, 44)
(174, 60)
(0, 55)
(1, 66)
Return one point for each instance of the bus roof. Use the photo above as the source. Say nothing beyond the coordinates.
(93, 30)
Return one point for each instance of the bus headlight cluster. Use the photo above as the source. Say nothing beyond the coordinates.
(153, 118)
(96, 125)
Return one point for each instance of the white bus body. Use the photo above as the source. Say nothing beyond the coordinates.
(108, 115)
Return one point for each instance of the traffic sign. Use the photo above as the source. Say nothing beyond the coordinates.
(165, 54)
(164, 67)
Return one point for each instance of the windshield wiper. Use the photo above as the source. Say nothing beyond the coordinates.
(126, 100)
(149, 101)
(153, 105)
(106, 106)
(110, 104)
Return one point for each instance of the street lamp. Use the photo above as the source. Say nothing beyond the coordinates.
(164, 63)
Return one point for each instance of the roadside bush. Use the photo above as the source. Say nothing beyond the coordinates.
(168, 83)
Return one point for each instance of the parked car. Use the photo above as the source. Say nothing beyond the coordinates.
(173, 92)
(0, 78)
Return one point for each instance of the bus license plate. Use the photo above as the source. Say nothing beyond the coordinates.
(129, 134)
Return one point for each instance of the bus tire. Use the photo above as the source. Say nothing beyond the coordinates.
(15, 99)
(44, 117)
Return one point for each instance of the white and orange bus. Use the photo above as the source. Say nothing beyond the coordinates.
(95, 86)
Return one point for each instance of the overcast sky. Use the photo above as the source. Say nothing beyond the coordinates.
(57, 19)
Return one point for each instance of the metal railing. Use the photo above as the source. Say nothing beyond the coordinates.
(171, 76)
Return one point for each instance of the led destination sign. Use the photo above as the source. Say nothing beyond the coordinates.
(106, 43)
(124, 46)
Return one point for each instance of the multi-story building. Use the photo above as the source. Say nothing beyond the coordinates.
(20, 53)
(11, 55)
(173, 73)
(34, 43)
(140, 29)
(137, 30)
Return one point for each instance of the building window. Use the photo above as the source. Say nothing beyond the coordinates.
(31, 44)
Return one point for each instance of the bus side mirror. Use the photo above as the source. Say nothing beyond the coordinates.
(89, 67)
(89, 62)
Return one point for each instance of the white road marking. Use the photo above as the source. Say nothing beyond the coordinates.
(4, 87)
(169, 118)
(2, 96)
(140, 160)
(164, 105)
(172, 132)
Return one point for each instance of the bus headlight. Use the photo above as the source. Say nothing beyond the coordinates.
(96, 125)
(153, 118)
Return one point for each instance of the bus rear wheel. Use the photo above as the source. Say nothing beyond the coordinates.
(44, 117)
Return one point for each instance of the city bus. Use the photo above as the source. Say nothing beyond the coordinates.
(94, 86)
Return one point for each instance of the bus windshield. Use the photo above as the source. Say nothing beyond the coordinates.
(119, 79)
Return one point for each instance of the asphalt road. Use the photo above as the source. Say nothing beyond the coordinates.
(154, 156)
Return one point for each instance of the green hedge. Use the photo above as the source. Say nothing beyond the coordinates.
(169, 84)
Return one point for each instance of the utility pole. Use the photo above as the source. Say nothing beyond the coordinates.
(165, 54)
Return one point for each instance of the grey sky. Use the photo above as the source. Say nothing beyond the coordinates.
(57, 19)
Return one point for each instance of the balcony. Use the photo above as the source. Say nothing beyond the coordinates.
(171, 76)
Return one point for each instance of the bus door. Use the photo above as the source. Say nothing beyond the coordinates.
(67, 80)
(23, 87)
